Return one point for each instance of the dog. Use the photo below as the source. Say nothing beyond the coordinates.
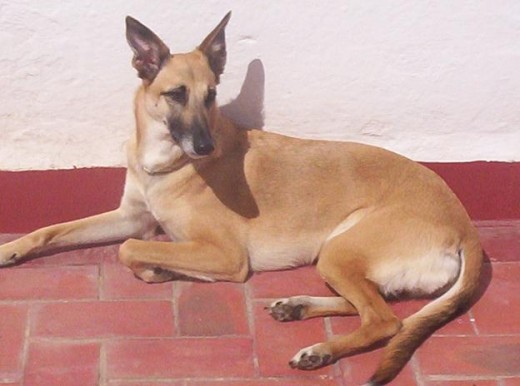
(376, 225)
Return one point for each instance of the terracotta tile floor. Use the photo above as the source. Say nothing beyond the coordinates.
(79, 318)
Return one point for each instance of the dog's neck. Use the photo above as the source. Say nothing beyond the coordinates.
(158, 153)
(155, 150)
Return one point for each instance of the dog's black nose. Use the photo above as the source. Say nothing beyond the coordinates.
(202, 142)
(204, 147)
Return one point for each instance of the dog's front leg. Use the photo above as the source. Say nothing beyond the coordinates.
(106, 227)
(157, 261)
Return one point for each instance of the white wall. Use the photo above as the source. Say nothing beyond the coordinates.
(435, 80)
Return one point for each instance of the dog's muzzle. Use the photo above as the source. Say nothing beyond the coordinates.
(195, 140)
(202, 142)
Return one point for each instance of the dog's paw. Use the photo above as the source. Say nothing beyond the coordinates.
(286, 310)
(311, 358)
(8, 256)
(155, 275)
(9, 260)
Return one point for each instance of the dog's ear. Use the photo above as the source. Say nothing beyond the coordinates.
(150, 53)
(214, 47)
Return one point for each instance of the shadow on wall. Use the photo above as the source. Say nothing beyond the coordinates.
(247, 109)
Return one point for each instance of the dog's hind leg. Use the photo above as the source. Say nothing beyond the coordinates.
(344, 268)
(305, 307)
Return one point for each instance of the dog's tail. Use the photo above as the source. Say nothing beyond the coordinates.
(419, 326)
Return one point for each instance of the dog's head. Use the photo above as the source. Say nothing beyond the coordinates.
(180, 89)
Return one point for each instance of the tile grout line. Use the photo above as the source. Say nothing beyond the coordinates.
(190, 378)
(83, 300)
(252, 328)
(108, 338)
(473, 322)
(328, 327)
(176, 294)
(467, 378)
(336, 368)
(416, 370)
(101, 282)
(25, 350)
(102, 375)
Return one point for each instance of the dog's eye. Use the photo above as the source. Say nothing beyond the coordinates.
(177, 94)
(210, 98)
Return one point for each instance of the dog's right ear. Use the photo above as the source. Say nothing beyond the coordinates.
(150, 53)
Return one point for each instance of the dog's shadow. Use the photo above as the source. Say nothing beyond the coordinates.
(247, 109)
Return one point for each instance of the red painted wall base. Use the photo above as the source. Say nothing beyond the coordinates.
(32, 199)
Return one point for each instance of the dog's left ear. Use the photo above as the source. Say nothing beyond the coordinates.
(214, 47)
(150, 53)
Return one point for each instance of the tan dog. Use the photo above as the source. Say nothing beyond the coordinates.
(233, 200)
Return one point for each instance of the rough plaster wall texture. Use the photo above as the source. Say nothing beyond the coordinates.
(434, 80)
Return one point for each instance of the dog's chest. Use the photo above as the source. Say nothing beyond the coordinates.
(171, 212)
